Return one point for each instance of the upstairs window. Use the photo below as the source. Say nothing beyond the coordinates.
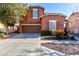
(35, 13)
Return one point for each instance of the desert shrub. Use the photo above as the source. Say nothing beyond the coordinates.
(2, 35)
(59, 33)
(46, 33)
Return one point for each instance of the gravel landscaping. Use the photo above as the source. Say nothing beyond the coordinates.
(68, 49)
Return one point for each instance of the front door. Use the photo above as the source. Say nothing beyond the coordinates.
(52, 25)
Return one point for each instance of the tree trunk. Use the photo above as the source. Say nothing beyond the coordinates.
(7, 31)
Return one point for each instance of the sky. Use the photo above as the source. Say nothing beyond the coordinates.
(64, 8)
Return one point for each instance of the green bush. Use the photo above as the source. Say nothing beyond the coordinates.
(2, 35)
(46, 33)
(2, 32)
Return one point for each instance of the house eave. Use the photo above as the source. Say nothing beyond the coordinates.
(30, 24)
(60, 14)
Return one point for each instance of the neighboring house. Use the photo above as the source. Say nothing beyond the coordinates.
(11, 29)
(36, 21)
(74, 22)
(2, 28)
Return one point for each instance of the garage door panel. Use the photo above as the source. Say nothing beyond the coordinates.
(31, 29)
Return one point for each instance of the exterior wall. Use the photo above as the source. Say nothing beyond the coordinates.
(74, 23)
(66, 23)
(2, 28)
(43, 21)
(28, 18)
(60, 21)
(11, 29)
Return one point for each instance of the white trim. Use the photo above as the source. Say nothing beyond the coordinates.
(35, 9)
(34, 17)
(30, 24)
(47, 50)
(51, 26)
(52, 20)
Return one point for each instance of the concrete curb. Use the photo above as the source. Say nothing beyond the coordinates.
(52, 52)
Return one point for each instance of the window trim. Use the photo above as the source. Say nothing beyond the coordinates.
(33, 14)
(50, 24)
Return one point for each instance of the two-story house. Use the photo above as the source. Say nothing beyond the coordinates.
(36, 20)
(74, 22)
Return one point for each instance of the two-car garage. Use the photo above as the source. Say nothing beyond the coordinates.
(31, 28)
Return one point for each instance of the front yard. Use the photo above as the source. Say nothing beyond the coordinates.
(68, 45)
(64, 47)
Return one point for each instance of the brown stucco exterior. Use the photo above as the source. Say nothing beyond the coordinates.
(28, 18)
(29, 24)
(45, 21)
(73, 20)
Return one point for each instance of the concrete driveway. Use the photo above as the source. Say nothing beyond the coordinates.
(25, 48)
(27, 36)
(16, 45)
(26, 44)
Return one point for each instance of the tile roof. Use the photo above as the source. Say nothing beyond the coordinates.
(60, 14)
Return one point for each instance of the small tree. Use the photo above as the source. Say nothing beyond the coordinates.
(10, 12)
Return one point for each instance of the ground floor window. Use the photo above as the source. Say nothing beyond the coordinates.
(52, 25)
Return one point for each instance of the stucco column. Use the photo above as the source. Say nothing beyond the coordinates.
(20, 28)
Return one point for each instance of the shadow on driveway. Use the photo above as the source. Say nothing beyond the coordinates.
(33, 36)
